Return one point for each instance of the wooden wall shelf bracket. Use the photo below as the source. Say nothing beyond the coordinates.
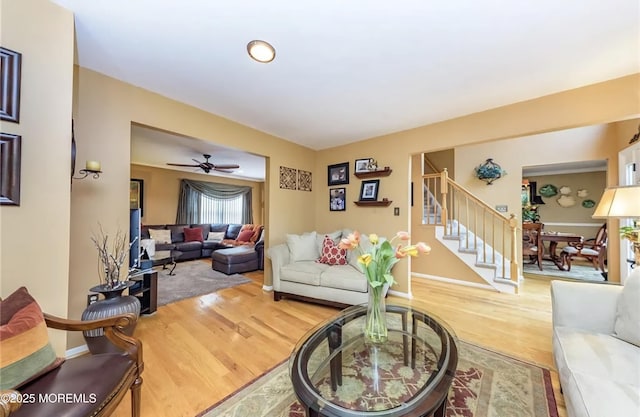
(373, 174)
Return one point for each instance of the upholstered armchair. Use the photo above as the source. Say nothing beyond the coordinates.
(34, 379)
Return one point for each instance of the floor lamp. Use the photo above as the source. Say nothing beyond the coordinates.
(622, 203)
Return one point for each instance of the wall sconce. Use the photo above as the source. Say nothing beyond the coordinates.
(91, 168)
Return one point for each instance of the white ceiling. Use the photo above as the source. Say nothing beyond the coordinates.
(350, 70)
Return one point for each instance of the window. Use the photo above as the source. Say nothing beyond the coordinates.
(213, 210)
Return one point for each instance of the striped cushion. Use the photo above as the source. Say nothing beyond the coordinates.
(25, 351)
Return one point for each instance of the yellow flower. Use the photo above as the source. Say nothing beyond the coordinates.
(373, 238)
(365, 259)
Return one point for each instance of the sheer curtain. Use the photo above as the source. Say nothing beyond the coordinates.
(191, 207)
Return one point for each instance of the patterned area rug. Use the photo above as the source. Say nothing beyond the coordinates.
(191, 279)
(487, 384)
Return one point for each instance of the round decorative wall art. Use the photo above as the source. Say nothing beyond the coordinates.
(588, 204)
(582, 193)
(566, 201)
(564, 190)
(548, 190)
(489, 171)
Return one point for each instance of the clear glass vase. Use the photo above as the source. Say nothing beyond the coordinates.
(375, 329)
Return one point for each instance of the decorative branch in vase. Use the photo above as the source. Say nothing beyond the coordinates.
(377, 260)
(111, 259)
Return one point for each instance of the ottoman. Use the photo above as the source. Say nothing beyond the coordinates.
(235, 260)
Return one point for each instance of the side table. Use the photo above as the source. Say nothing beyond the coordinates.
(145, 288)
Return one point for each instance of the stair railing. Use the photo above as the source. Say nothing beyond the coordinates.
(481, 228)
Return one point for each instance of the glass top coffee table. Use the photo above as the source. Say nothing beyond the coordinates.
(336, 372)
(166, 258)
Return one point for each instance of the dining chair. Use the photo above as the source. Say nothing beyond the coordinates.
(532, 247)
(594, 250)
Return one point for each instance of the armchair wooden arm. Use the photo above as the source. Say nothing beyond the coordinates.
(113, 330)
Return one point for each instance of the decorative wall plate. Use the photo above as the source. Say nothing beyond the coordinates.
(588, 204)
(548, 190)
(564, 190)
(566, 201)
(582, 193)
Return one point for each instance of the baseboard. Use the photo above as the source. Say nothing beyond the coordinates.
(76, 351)
(454, 281)
(268, 288)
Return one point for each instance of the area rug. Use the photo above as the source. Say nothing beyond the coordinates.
(192, 279)
(486, 384)
(578, 272)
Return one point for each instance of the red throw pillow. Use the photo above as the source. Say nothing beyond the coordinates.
(193, 234)
(245, 235)
(331, 254)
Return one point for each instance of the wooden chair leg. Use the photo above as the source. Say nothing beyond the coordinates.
(566, 258)
(135, 397)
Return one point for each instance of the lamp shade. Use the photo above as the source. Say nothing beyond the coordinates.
(619, 202)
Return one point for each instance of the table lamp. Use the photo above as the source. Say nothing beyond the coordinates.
(621, 203)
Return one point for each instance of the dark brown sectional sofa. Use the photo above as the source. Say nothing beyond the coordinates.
(195, 249)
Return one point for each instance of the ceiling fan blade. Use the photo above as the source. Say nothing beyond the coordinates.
(183, 165)
(218, 167)
(228, 171)
(197, 162)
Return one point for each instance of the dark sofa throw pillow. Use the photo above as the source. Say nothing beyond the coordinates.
(331, 254)
(193, 234)
(26, 351)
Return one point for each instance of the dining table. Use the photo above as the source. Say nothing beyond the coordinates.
(554, 238)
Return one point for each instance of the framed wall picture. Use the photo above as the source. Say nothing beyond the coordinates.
(369, 190)
(10, 155)
(136, 195)
(10, 67)
(363, 165)
(338, 174)
(337, 199)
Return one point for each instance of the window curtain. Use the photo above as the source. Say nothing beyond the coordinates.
(189, 199)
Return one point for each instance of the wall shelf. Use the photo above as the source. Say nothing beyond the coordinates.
(383, 203)
(372, 174)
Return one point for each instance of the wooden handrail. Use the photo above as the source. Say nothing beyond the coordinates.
(496, 234)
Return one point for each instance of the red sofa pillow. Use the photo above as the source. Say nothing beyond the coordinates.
(245, 235)
(193, 234)
(331, 254)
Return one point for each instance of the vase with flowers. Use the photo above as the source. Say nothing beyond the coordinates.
(377, 258)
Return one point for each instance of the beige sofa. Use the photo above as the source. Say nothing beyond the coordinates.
(298, 272)
(596, 346)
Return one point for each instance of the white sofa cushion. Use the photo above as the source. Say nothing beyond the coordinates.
(303, 247)
(304, 272)
(599, 355)
(344, 277)
(627, 324)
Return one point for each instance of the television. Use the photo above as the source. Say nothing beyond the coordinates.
(134, 238)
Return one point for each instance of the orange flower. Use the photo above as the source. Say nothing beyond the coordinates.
(404, 235)
(351, 241)
(423, 247)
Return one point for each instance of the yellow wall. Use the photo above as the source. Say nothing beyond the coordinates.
(46, 44)
(162, 186)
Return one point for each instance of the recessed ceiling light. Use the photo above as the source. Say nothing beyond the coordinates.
(261, 51)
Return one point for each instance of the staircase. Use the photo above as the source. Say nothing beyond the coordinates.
(477, 234)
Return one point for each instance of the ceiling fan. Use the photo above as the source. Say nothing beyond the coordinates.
(207, 166)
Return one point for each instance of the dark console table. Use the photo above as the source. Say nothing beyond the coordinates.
(145, 288)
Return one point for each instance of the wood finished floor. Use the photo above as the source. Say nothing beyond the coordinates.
(199, 350)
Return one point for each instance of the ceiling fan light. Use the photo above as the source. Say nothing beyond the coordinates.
(261, 51)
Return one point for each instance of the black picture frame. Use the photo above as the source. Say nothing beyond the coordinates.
(338, 174)
(362, 165)
(136, 195)
(337, 199)
(369, 190)
(10, 156)
(10, 68)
